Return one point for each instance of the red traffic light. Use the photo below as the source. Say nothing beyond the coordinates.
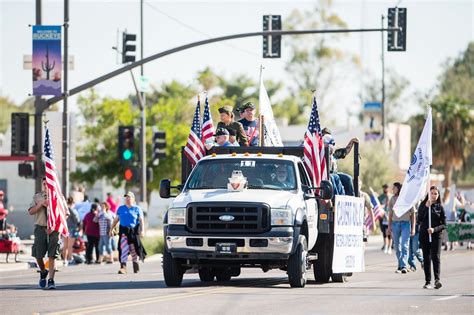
(128, 175)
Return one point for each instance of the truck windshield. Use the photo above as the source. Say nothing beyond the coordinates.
(260, 174)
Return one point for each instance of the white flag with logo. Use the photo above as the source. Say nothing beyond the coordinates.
(414, 186)
(272, 136)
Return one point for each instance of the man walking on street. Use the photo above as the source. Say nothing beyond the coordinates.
(44, 242)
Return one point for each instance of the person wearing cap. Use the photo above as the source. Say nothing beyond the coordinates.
(227, 121)
(250, 123)
(44, 243)
(131, 228)
(233, 137)
(3, 212)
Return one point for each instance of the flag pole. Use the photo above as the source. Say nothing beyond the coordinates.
(428, 191)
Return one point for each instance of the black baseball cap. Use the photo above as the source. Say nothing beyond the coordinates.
(247, 105)
(221, 132)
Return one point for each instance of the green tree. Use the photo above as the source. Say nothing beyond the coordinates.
(98, 153)
(395, 95)
(313, 64)
(453, 131)
(376, 166)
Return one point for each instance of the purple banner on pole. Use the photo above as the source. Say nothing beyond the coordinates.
(46, 60)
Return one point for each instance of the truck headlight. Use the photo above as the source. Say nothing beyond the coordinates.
(177, 216)
(281, 216)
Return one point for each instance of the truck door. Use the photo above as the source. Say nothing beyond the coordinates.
(311, 208)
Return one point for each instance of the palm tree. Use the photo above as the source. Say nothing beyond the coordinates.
(453, 131)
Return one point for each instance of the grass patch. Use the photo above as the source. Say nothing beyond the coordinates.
(153, 245)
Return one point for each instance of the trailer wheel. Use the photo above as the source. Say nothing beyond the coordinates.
(172, 271)
(339, 277)
(322, 266)
(297, 264)
(206, 274)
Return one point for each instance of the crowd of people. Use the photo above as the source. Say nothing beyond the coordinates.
(417, 235)
(111, 232)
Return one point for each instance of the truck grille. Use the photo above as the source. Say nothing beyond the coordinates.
(247, 217)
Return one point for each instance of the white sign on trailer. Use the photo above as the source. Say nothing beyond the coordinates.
(348, 236)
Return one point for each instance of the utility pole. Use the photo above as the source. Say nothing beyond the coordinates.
(383, 82)
(143, 164)
(40, 106)
(65, 157)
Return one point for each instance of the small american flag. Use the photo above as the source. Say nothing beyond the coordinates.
(207, 126)
(377, 209)
(314, 159)
(57, 207)
(194, 149)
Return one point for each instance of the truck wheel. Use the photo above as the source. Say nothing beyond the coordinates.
(172, 271)
(223, 275)
(322, 266)
(297, 264)
(206, 274)
(339, 277)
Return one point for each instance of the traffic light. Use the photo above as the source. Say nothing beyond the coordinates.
(272, 44)
(159, 144)
(25, 170)
(128, 48)
(20, 133)
(130, 174)
(397, 40)
(126, 144)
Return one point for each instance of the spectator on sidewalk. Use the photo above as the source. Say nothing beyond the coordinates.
(92, 231)
(44, 242)
(384, 199)
(401, 228)
(105, 218)
(73, 225)
(3, 212)
(113, 204)
(431, 247)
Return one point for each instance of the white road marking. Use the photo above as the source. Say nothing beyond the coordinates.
(447, 298)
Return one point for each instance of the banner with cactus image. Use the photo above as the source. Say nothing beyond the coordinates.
(46, 60)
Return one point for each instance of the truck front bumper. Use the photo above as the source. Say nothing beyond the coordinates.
(275, 244)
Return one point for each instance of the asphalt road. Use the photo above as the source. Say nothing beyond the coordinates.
(99, 289)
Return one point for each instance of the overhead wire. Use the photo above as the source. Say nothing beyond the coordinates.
(198, 31)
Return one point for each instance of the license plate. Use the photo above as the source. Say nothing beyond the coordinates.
(226, 248)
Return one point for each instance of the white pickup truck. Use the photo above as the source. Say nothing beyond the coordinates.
(270, 221)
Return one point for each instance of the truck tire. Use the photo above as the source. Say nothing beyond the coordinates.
(339, 277)
(297, 264)
(172, 271)
(223, 275)
(206, 274)
(323, 265)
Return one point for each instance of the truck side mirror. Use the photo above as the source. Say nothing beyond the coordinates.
(165, 188)
(326, 191)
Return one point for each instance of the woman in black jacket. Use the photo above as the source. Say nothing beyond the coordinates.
(431, 249)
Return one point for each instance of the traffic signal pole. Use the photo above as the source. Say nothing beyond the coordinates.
(65, 157)
(143, 163)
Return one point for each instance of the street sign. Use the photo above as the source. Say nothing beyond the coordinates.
(144, 84)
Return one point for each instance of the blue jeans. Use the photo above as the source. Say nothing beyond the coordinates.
(105, 241)
(401, 241)
(414, 251)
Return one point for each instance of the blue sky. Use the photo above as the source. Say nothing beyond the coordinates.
(436, 30)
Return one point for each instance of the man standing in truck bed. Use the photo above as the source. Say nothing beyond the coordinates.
(250, 124)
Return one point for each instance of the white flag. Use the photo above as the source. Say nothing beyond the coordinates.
(272, 136)
(414, 186)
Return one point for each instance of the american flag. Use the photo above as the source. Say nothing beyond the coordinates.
(377, 209)
(207, 126)
(314, 159)
(57, 207)
(194, 149)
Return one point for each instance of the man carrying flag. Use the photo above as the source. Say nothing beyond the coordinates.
(49, 209)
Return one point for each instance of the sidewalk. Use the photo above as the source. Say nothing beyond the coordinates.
(24, 258)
